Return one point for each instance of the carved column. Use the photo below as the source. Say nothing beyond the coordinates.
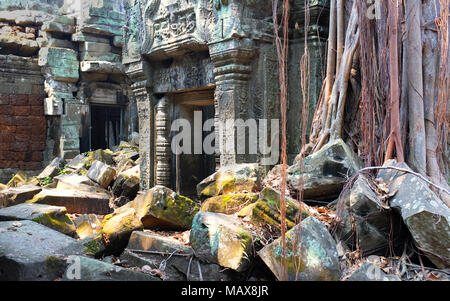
(138, 73)
(232, 70)
(163, 151)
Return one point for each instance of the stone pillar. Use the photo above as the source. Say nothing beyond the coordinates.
(137, 71)
(231, 59)
(163, 151)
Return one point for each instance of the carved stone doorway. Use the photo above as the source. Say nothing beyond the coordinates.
(188, 169)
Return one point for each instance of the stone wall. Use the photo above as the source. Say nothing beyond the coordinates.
(23, 124)
(64, 56)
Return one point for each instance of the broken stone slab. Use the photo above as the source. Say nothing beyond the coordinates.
(87, 225)
(87, 269)
(118, 226)
(267, 209)
(30, 251)
(228, 203)
(370, 272)
(104, 156)
(53, 168)
(127, 183)
(172, 257)
(315, 258)
(325, 172)
(101, 173)
(79, 162)
(50, 216)
(363, 207)
(74, 201)
(73, 180)
(234, 178)
(423, 212)
(221, 239)
(17, 195)
(94, 245)
(161, 207)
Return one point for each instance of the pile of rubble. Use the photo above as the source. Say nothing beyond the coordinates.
(91, 211)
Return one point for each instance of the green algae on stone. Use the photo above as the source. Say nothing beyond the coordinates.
(222, 239)
(53, 217)
(311, 254)
(229, 203)
(231, 179)
(267, 209)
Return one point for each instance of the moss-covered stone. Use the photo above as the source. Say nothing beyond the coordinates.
(51, 216)
(325, 172)
(117, 228)
(222, 239)
(20, 178)
(228, 203)
(311, 254)
(231, 179)
(267, 209)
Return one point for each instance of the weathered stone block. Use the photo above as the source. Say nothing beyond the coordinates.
(326, 171)
(53, 168)
(51, 216)
(235, 178)
(30, 251)
(222, 239)
(96, 270)
(101, 173)
(425, 214)
(228, 203)
(74, 201)
(267, 209)
(314, 259)
(17, 195)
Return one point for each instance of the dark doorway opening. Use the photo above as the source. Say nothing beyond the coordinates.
(190, 169)
(105, 126)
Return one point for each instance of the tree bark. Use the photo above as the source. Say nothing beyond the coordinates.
(417, 140)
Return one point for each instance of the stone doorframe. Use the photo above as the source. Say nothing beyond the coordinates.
(238, 35)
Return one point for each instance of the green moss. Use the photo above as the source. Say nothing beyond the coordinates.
(228, 203)
(94, 245)
(55, 265)
(61, 223)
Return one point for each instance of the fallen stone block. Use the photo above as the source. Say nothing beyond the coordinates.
(79, 162)
(172, 258)
(228, 203)
(267, 209)
(104, 156)
(53, 168)
(221, 239)
(88, 269)
(18, 195)
(74, 201)
(101, 173)
(127, 183)
(50, 216)
(230, 179)
(363, 209)
(324, 172)
(161, 207)
(30, 251)
(314, 259)
(370, 272)
(117, 228)
(87, 225)
(423, 212)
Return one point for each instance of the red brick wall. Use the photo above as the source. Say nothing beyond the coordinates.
(23, 131)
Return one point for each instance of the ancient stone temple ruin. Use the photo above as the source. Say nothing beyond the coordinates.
(217, 57)
(63, 87)
(83, 75)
